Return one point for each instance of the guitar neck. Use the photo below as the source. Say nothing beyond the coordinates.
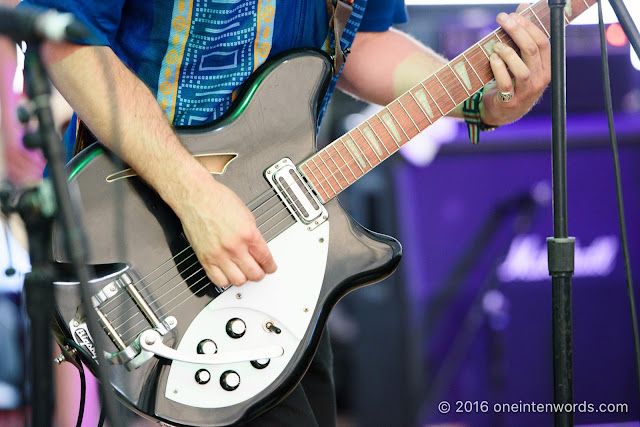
(351, 156)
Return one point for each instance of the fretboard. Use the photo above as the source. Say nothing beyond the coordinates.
(351, 156)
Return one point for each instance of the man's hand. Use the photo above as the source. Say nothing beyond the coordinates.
(525, 76)
(224, 236)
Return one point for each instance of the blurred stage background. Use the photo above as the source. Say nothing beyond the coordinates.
(467, 317)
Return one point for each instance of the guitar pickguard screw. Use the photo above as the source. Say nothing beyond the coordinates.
(75, 323)
(321, 240)
(306, 310)
(238, 296)
(175, 391)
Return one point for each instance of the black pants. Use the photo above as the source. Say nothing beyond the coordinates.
(313, 401)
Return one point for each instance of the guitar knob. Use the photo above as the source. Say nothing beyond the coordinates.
(236, 328)
(207, 346)
(203, 376)
(229, 380)
(260, 364)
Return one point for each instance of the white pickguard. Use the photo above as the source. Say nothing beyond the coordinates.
(287, 298)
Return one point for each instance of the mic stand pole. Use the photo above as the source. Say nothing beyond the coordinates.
(560, 247)
(627, 24)
(40, 283)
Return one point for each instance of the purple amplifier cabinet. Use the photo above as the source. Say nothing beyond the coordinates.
(473, 226)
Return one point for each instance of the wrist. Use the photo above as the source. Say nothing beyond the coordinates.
(188, 181)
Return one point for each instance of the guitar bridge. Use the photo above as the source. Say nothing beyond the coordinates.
(111, 297)
(286, 180)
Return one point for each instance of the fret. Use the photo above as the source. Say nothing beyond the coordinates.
(586, 4)
(488, 46)
(352, 156)
(373, 150)
(457, 77)
(482, 49)
(408, 115)
(388, 131)
(541, 24)
(337, 167)
(370, 146)
(498, 35)
(420, 106)
(566, 20)
(434, 101)
(318, 181)
(323, 175)
(473, 69)
(372, 139)
(331, 174)
(445, 89)
(376, 134)
(389, 124)
(343, 160)
(400, 125)
(357, 151)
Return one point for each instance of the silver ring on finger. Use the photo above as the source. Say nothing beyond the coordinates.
(505, 96)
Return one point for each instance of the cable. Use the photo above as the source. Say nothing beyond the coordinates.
(101, 420)
(616, 165)
(83, 394)
(83, 382)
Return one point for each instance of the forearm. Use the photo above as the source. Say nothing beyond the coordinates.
(124, 115)
(382, 66)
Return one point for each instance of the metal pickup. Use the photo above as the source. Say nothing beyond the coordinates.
(296, 194)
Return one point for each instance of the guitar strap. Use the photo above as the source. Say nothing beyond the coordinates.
(341, 12)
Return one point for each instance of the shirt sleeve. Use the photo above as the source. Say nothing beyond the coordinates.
(379, 15)
(102, 18)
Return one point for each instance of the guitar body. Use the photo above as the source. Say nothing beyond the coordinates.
(274, 118)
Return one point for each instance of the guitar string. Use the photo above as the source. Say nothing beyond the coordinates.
(123, 294)
(348, 163)
(110, 302)
(167, 302)
(337, 149)
(176, 296)
(154, 293)
(206, 284)
(366, 151)
(499, 33)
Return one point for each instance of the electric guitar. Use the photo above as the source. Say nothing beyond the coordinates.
(187, 352)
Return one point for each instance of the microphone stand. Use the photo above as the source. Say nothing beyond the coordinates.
(39, 208)
(560, 247)
(627, 24)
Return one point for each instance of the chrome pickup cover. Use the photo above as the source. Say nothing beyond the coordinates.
(296, 194)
